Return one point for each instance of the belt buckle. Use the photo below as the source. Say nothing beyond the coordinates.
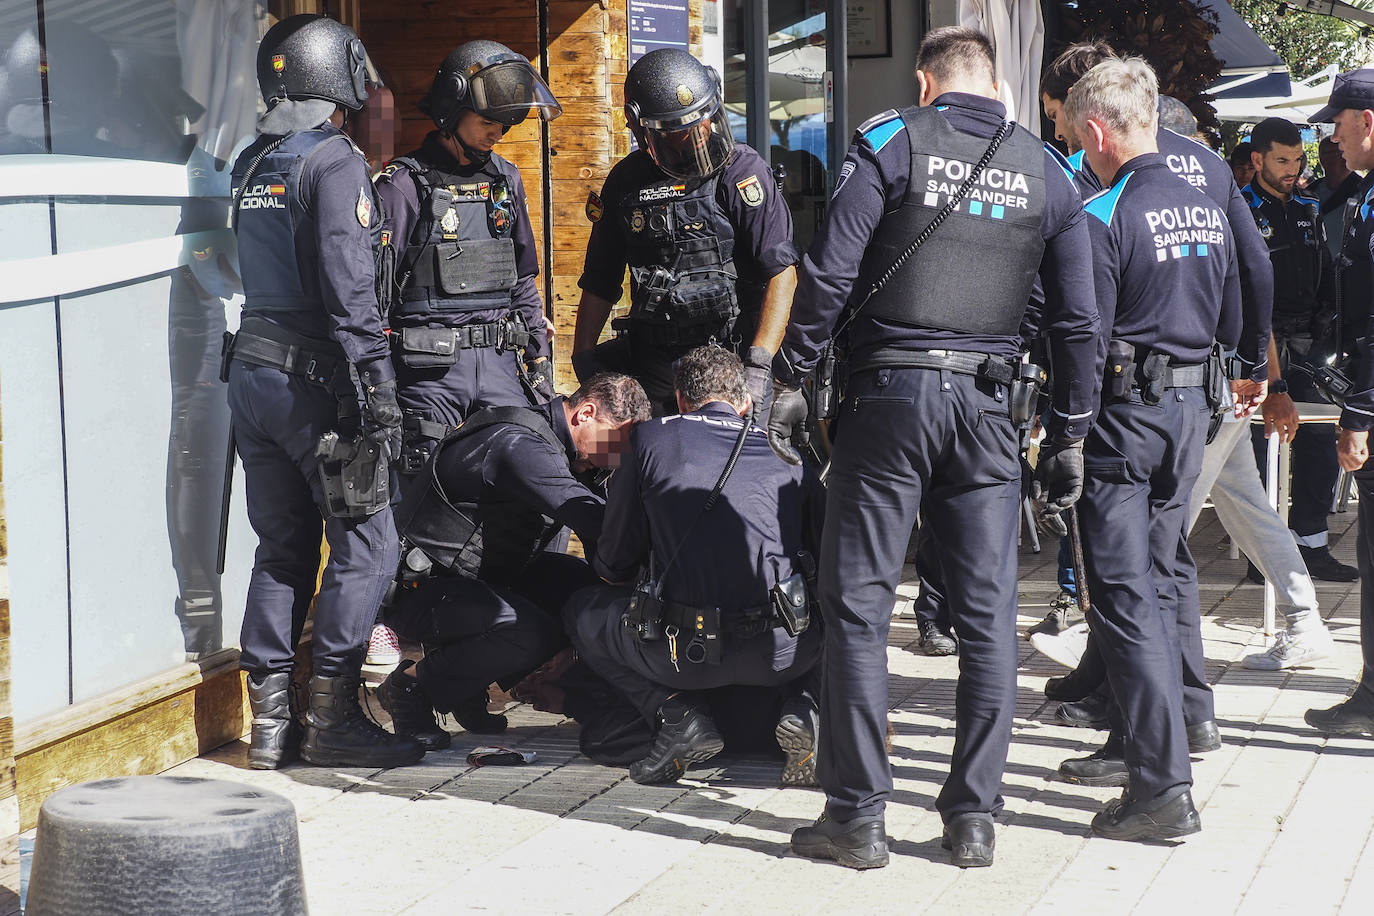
(310, 368)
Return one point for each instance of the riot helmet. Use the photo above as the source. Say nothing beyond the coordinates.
(489, 78)
(673, 104)
(312, 57)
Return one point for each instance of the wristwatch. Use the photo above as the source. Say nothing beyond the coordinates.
(1278, 386)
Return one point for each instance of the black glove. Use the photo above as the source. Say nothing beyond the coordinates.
(382, 422)
(539, 373)
(787, 423)
(758, 379)
(1059, 476)
(586, 364)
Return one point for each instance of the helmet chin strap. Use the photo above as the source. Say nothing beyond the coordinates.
(476, 156)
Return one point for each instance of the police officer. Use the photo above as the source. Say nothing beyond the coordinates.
(1305, 329)
(1337, 185)
(1351, 109)
(706, 235)
(457, 235)
(925, 423)
(479, 518)
(310, 374)
(720, 533)
(1168, 285)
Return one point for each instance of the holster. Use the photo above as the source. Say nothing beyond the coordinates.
(353, 475)
(1025, 393)
(1120, 369)
(791, 604)
(825, 396)
(643, 616)
(1152, 381)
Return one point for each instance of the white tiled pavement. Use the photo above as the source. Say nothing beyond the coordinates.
(1287, 815)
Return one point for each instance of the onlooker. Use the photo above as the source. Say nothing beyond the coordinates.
(1241, 165)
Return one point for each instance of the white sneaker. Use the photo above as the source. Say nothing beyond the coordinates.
(383, 648)
(1291, 650)
(1066, 647)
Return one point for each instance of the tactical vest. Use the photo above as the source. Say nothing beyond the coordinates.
(974, 274)
(1354, 269)
(492, 539)
(269, 212)
(460, 255)
(680, 246)
(1295, 252)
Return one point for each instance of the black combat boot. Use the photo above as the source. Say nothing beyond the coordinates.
(1105, 766)
(276, 736)
(412, 711)
(797, 732)
(474, 716)
(970, 839)
(338, 734)
(858, 843)
(686, 736)
(1126, 818)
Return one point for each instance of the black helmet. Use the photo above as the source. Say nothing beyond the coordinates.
(489, 78)
(312, 57)
(674, 106)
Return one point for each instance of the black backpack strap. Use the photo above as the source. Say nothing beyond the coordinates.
(526, 417)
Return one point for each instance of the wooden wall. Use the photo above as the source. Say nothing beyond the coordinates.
(9, 800)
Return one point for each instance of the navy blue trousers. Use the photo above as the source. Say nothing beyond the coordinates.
(480, 378)
(278, 419)
(944, 444)
(1141, 462)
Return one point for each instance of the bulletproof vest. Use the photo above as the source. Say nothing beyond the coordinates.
(460, 257)
(1294, 249)
(269, 212)
(490, 539)
(1354, 283)
(680, 249)
(974, 274)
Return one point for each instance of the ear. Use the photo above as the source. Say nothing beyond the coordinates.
(1256, 160)
(1097, 135)
(926, 95)
(1367, 122)
(585, 412)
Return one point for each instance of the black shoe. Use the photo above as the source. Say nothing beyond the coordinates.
(1345, 719)
(1104, 767)
(1064, 613)
(970, 839)
(935, 641)
(1125, 819)
(687, 736)
(412, 711)
(1253, 574)
(1089, 712)
(1070, 688)
(1322, 565)
(338, 734)
(857, 843)
(276, 736)
(1203, 737)
(474, 716)
(797, 731)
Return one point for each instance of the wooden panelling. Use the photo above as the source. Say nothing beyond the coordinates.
(9, 801)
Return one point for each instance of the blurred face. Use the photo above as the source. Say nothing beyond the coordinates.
(1279, 168)
(478, 132)
(1329, 155)
(1054, 110)
(1353, 135)
(599, 441)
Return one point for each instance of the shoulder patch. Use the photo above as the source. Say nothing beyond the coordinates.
(879, 129)
(1103, 205)
(594, 209)
(364, 209)
(750, 190)
(1251, 197)
(1306, 201)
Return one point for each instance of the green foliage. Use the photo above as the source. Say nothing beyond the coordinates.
(1306, 41)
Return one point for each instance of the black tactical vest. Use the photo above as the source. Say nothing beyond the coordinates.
(680, 246)
(974, 274)
(269, 211)
(460, 256)
(1354, 269)
(492, 539)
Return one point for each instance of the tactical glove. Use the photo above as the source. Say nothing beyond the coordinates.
(382, 420)
(787, 423)
(540, 376)
(1059, 475)
(758, 378)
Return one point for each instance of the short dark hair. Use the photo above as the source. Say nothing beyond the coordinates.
(1274, 130)
(1241, 154)
(1071, 65)
(619, 397)
(1176, 116)
(709, 373)
(949, 52)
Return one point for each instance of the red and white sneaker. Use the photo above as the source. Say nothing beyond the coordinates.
(383, 648)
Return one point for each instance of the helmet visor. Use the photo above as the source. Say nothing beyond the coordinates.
(510, 91)
(696, 150)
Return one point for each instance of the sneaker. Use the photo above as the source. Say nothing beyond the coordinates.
(686, 736)
(412, 711)
(796, 731)
(1322, 565)
(1291, 650)
(935, 641)
(1066, 648)
(1064, 613)
(383, 648)
(1348, 718)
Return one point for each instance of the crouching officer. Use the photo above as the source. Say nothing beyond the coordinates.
(458, 242)
(931, 196)
(313, 398)
(720, 532)
(1167, 285)
(706, 235)
(477, 587)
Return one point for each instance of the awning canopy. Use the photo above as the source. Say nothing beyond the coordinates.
(1249, 67)
(1305, 98)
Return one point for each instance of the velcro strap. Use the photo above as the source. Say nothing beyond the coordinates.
(1185, 376)
(430, 429)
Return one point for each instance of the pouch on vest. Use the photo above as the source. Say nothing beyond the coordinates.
(707, 300)
(475, 266)
(427, 348)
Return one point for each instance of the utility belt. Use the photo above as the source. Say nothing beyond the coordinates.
(660, 334)
(997, 369)
(262, 343)
(419, 436)
(426, 348)
(1153, 374)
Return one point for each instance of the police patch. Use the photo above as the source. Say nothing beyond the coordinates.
(637, 221)
(364, 209)
(684, 95)
(594, 209)
(449, 221)
(750, 191)
(278, 63)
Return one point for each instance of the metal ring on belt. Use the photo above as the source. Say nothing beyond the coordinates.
(290, 358)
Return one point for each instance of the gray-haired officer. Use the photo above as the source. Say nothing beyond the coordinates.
(313, 397)
(1351, 109)
(721, 534)
(460, 248)
(925, 421)
(704, 231)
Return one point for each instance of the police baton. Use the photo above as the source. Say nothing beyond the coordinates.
(1080, 577)
(226, 494)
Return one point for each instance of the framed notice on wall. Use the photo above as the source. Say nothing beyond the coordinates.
(870, 27)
